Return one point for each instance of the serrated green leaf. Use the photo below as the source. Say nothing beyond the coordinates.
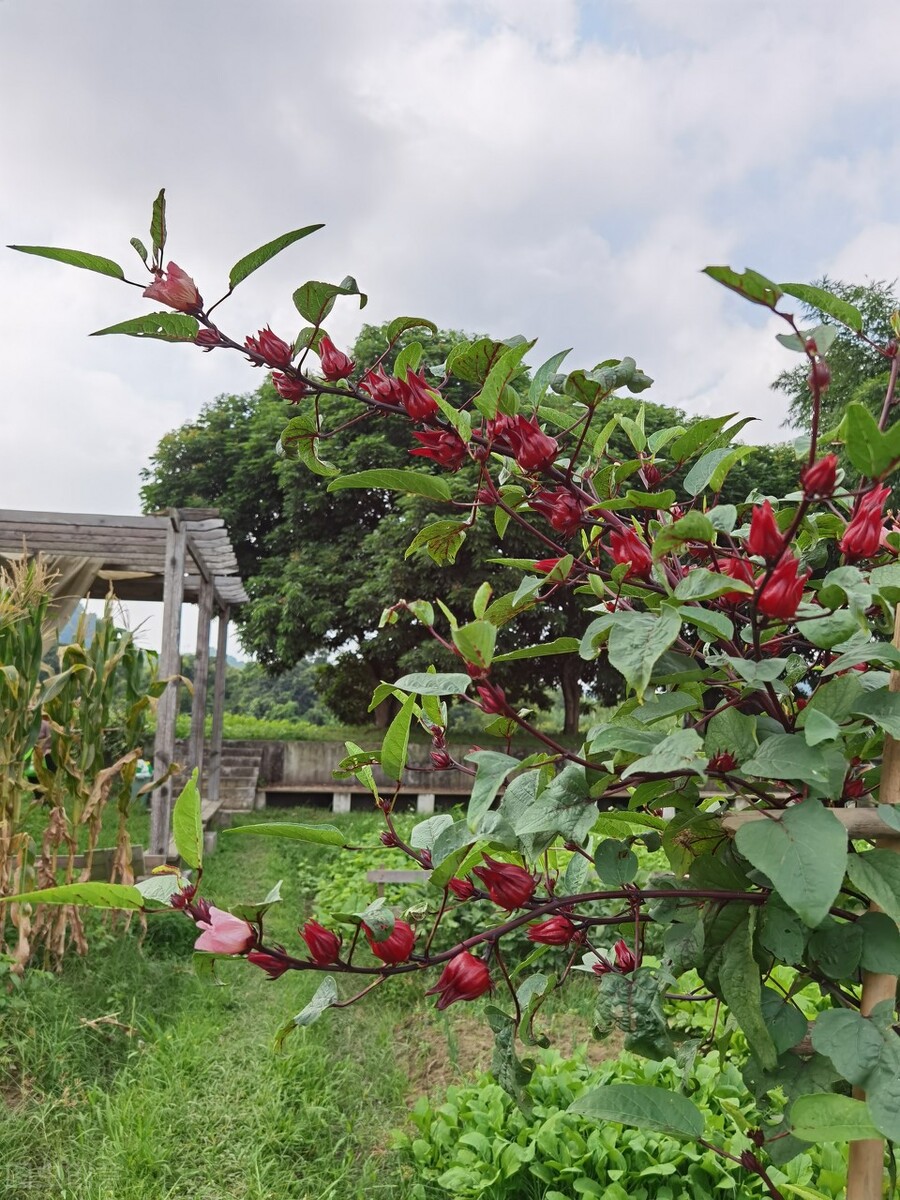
(257, 258)
(75, 258)
(163, 326)
(315, 300)
(560, 645)
(750, 284)
(401, 325)
(826, 302)
(91, 895)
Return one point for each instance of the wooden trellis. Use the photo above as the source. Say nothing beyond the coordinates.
(182, 555)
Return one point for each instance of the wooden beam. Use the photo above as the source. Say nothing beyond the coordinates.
(167, 705)
(218, 713)
(201, 676)
(859, 822)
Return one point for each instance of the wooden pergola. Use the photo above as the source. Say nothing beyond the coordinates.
(182, 555)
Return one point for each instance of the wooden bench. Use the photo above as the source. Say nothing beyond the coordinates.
(342, 797)
(381, 878)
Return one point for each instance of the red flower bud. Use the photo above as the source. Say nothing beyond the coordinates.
(740, 569)
(853, 789)
(209, 339)
(625, 958)
(765, 538)
(425, 860)
(289, 389)
(274, 965)
(818, 479)
(445, 446)
(441, 760)
(781, 595)
(487, 495)
(385, 388)
(533, 450)
(335, 364)
(545, 565)
(417, 397)
(389, 839)
(271, 348)
(562, 509)
(176, 289)
(863, 535)
(652, 474)
(393, 949)
(723, 762)
(462, 888)
(819, 376)
(602, 966)
(465, 977)
(507, 885)
(627, 547)
(493, 699)
(555, 931)
(323, 945)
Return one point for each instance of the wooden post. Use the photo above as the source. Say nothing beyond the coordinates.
(167, 706)
(215, 739)
(865, 1173)
(201, 676)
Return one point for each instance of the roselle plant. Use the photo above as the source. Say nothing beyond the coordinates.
(755, 743)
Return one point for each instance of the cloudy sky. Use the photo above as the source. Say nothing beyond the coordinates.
(557, 168)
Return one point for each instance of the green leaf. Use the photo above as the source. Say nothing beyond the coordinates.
(876, 873)
(852, 1042)
(160, 888)
(708, 621)
(253, 912)
(476, 642)
(751, 285)
(637, 640)
(881, 707)
(540, 381)
(831, 1118)
(503, 370)
(91, 895)
(632, 1003)
(616, 862)
(492, 768)
(869, 450)
(560, 645)
(187, 825)
(511, 1074)
(731, 732)
(781, 931)
(75, 258)
(326, 995)
(653, 1108)
(426, 833)
(678, 754)
(158, 226)
(787, 1024)
(880, 944)
(315, 300)
(441, 540)
(693, 527)
(414, 483)
(257, 258)
(322, 835)
(164, 326)
(712, 469)
(701, 584)
(395, 746)
(401, 325)
(300, 440)
(824, 301)
(830, 630)
(698, 435)
(564, 808)
(665, 704)
(739, 979)
(378, 918)
(424, 683)
(140, 250)
(835, 947)
(804, 854)
(819, 728)
(787, 756)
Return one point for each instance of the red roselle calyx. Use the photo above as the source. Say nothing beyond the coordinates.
(323, 945)
(465, 977)
(417, 397)
(532, 449)
(208, 339)
(555, 931)
(740, 569)
(723, 762)
(862, 537)
(819, 376)
(176, 289)
(781, 596)
(562, 509)
(289, 389)
(508, 885)
(493, 699)
(461, 888)
(441, 760)
(335, 364)
(274, 965)
(765, 538)
(389, 839)
(626, 960)
(271, 348)
(651, 474)
(384, 388)
(444, 446)
(818, 479)
(393, 949)
(627, 547)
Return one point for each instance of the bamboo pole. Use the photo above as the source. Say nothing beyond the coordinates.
(865, 1173)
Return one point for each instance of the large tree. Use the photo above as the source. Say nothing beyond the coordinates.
(320, 566)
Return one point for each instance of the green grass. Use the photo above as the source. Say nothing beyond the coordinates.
(128, 1079)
